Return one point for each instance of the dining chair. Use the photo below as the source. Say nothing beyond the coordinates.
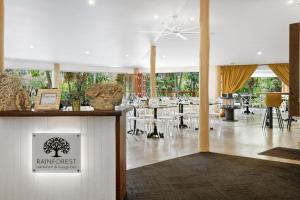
(273, 101)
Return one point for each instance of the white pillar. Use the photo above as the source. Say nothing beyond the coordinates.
(56, 76)
(1, 35)
(204, 77)
(153, 71)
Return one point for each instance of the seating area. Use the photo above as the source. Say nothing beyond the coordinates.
(166, 116)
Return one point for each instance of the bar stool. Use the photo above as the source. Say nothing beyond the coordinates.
(273, 101)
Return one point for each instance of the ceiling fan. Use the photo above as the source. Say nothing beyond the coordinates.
(173, 29)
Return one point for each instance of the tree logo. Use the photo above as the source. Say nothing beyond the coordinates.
(56, 144)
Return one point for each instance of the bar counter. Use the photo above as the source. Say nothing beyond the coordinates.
(103, 155)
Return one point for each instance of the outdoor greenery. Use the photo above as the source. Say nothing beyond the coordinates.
(33, 79)
(174, 82)
(259, 85)
(190, 82)
(77, 84)
(74, 85)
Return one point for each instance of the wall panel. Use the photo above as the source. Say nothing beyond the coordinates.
(97, 179)
(294, 99)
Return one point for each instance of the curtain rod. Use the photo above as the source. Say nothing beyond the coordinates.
(255, 64)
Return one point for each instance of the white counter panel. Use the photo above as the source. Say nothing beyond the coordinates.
(97, 181)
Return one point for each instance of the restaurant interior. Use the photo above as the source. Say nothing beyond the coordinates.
(174, 99)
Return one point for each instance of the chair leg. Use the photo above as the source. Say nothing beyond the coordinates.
(279, 123)
(265, 119)
(281, 119)
(278, 117)
(289, 124)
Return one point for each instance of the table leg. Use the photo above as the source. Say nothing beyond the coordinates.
(181, 125)
(135, 130)
(155, 133)
(247, 111)
(270, 117)
(229, 115)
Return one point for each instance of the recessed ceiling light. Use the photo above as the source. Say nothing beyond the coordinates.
(155, 16)
(164, 57)
(290, 1)
(192, 19)
(31, 46)
(91, 2)
(87, 52)
(126, 55)
(259, 53)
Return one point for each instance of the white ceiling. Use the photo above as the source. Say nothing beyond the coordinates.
(63, 30)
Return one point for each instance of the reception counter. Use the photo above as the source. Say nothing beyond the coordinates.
(60, 155)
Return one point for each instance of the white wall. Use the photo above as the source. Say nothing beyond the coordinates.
(97, 179)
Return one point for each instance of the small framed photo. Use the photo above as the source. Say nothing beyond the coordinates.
(47, 99)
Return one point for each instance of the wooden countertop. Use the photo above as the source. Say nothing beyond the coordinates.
(63, 113)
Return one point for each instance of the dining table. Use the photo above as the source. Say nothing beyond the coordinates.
(229, 112)
(156, 133)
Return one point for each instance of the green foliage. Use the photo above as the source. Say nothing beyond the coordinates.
(75, 85)
(191, 81)
(33, 79)
(165, 82)
(120, 79)
(261, 84)
(173, 82)
(103, 77)
(258, 85)
(35, 73)
(69, 76)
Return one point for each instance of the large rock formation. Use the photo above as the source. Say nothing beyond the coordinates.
(105, 96)
(23, 102)
(9, 87)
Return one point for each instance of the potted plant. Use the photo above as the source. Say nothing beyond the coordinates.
(75, 83)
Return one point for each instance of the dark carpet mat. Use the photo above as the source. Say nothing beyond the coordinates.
(280, 152)
(211, 176)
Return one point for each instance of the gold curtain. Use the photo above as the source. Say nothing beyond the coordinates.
(281, 71)
(234, 77)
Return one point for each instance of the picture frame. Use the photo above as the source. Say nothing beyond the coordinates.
(47, 99)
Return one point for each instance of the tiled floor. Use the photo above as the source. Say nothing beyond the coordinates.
(243, 138)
